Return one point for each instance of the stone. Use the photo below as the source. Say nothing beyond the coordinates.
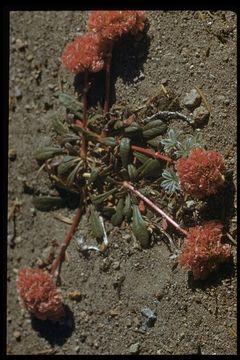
(134, 348)
(200, 116)
(17, 335)
(192, 99)
(116, 265)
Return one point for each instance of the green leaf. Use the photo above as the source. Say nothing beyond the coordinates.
(96, 223)
(67, 164)
(93, 176)
(153, 124)
(132, 172)
(141, 157)
(48, 152)
(124, 150)
(117, 218)
(127, 210)
(72, 175)
(98, 199)
(45, 203)
(170, 182)
(71, 103)
(58, 125)
(153, 132)
(150, 168)
(139, 228)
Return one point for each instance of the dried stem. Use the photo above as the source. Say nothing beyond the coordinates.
(108, 76)
(83, 149)
(57, 262)
(152, 153)
(154, 207)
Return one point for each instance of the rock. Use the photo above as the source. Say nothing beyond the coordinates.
(20, 45)
(18, 93)
(77, 348)
(192, 99)
(75, 295)
(29, 57)
(17, 335)
(134, 348)
(150, 315)
(116, 265)
(12, 154)
(200, 115)
(164, 81)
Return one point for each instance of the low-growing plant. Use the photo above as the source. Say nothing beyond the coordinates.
(97, 154)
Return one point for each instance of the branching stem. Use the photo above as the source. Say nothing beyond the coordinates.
(154, 207)
(155, 154)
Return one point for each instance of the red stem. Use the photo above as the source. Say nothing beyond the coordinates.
(108, 75)
(152, 153)
(154, 207)
(57, 262)
(83, 149)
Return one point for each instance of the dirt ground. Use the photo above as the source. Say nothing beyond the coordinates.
(182, 49)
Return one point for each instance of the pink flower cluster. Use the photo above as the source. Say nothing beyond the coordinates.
(201, 173)
(203, 251)
(113, 24)
(84, 53)
(88, 52)
(39, 295)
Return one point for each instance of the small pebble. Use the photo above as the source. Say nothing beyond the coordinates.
(17, 335)
(164, 81)
(116, 265)
(200, 115)
(134, 348)
(18, 240)
(51, 86)
(18, 93)
(12, 154)
(192, 99)
(29, 57)
(77, 348)
(21, 45)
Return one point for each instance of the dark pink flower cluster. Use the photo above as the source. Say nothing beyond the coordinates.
(88, 52)
(85, 52)
(201, 173)
(203, 251)
(39, 295)
(113, 24)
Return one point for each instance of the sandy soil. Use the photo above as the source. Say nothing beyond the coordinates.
(182, 50)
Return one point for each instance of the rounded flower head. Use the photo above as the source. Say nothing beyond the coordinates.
(201, 173)
(203, 252)
(39, 295)
(112, 24)
(85, 52)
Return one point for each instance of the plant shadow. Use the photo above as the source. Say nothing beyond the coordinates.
(129, 54)
(225, 271)
(56, 333)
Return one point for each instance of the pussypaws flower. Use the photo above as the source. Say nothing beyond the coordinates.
(113, 24)
(201, 173)
(85, 52)
(39, 295)
(203, 251)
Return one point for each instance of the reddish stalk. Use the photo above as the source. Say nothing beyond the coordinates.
(152, 153)
(154, 207)
(58, 261)
(83, 149)
(108, 76)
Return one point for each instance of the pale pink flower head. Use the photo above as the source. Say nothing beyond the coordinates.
(39, 295)
(203, 251)
(115, 23)
(84, 53)
(201, 173)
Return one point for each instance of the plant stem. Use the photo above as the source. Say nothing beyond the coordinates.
(83, 149)
(57, 262)
(108, 76)
(154, 207)
(152, 153)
